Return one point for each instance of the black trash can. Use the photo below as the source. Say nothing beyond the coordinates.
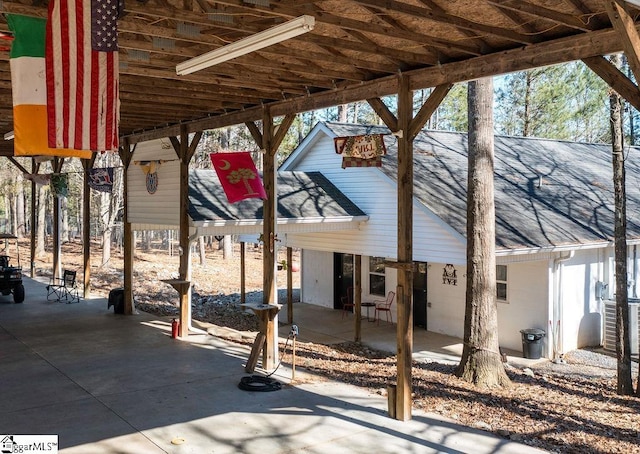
(116, 299)
(532, 342)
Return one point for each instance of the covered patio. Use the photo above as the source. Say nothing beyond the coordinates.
(357, 50)
(106, 383)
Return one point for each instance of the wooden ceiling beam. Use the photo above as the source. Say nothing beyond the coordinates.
(536, 55)
(615, 79)
(544, 13)
(387, 31)
(196, 91)
(624, 25)
(468, 33)
(438, 15)
(287, 13)
(393, 54)
(265, 89)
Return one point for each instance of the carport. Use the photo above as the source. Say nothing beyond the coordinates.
(358, 50)
(107, 383)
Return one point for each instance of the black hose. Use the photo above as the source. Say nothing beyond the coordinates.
(259, 383)
(264, 384)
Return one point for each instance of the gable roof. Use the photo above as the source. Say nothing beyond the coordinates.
(548, 193)
(303, 198)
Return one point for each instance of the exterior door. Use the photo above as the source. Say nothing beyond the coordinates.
(343, 277)
(420, 295)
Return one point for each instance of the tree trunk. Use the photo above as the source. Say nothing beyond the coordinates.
(342, 113)
(12, 214)
(41, 221)
(227, 247)
(481, 362)
(20, 211)
(203, 256)
(623, 342)
(64, 220)
(106, 228)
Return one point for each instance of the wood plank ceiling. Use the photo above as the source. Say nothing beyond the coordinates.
(355, 52)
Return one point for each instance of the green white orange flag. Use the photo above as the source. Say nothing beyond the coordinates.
(29, 87)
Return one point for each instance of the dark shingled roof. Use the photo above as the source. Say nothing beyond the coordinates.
(300, 195)
(547, 193)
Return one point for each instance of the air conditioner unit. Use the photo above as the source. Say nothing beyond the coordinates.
(610, 325)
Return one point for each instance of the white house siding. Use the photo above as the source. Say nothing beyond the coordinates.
(162, 207)
(376, 195)
(526, 293)
(579, 310)
(527, 304)
(317, 278)
(445, 301)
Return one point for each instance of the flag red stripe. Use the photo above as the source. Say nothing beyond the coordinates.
(110, 100)
(80, 75)
(51, 106)
(93, 110)
(66, 63)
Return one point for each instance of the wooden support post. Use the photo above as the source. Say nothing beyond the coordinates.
(87, 165)
(289, 285)
(243, 273)
(269, 210)
(266, 314)
(185, 246)
(185, 151)
(128, 243)
(184, 290)
(357, 289)
(258, 345)
(269, 140)
(408, 127)
(57, 273)
(34, 227)
(405, 252)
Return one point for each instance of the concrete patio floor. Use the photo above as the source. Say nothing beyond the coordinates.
(107, 383)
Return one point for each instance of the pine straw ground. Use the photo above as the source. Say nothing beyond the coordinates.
(570, 408)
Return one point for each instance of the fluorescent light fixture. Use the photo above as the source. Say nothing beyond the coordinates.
(274, 35)
(8, 136)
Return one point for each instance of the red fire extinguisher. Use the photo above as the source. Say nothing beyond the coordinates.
(175, 324)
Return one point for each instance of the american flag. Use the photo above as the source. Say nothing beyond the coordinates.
(82, 74)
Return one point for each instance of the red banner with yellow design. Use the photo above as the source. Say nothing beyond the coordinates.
(238, 175)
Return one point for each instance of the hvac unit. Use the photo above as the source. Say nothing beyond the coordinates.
(610, 325)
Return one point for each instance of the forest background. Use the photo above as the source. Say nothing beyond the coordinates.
(563, 102)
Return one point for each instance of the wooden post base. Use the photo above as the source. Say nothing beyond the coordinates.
(258, 345)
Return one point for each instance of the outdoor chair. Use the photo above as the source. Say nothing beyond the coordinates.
(347, 302)
(385, 306)
(64, 289)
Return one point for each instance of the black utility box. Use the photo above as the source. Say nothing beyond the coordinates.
(116, 299)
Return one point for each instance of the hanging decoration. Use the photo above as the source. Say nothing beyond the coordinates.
(238, 175)
(41, 179)
(449, 275)
(150, 169)
(59, 184)
(101, 179)
(361, 151)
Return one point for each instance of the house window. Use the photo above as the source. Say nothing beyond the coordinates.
(501, 283)
(376, 276)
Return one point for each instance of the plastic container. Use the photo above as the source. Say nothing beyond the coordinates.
(532, 342)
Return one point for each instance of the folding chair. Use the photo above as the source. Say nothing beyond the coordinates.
(347, 302)
(64, 289)
(385, 306)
